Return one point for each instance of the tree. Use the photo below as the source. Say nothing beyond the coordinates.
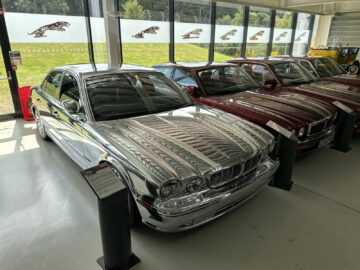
(283, 20)
(239, 17)
(40, 6)
(133, 10)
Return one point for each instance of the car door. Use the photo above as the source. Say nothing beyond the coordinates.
(47, 102)
(70, 118)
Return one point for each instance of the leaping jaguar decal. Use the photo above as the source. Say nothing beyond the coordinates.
(227, 34)
(151, 30)
(58, 26)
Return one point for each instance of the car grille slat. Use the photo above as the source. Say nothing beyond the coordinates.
(222, 177)
(317, 127)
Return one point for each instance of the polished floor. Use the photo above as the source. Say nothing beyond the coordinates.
(48, 217)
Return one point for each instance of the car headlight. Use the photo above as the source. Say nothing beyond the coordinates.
(271, 146)
(170, 188)
(194, 185)
(301, 132)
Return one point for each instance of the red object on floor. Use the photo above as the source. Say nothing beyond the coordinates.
(26, 102)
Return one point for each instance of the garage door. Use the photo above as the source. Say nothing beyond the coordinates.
(345, 29)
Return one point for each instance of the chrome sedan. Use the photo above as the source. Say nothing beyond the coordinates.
(185, 164)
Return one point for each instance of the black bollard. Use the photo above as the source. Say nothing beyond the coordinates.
(285, 151)
(345, 128)
(112, 197)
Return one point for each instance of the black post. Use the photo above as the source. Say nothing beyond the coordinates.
(246, 25)
(272, 26)
(89, 32)
(345, 128)
(117, 5)
(112, 197)
(293, 27)
(172, 31)
(286, 152)
(212, 33)
(11, 74)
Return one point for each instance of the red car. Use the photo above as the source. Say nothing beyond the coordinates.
(288, 75)
(327, 69)
(229, 88)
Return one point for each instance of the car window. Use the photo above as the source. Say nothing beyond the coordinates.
(308, 67)
(259, 73)
(51, 83)
(183, 77)
(69, 88)
(225, 80)
(123, 95)
(327, 67)
(165, 70)
(292, 73)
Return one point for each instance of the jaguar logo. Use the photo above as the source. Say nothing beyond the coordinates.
(58, 26)
(151, 30)
(299, 37)
(227, 34)
(282, 35)
(257, 35)
(193, 34)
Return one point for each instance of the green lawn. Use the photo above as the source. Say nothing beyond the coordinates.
(38, 59)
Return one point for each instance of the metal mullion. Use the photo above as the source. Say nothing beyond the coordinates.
(212, 33)
(293, 27)
(172, 31)
(272, 26)
(246, 25)
(89, 32)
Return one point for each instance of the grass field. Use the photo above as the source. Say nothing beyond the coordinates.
(39, 58)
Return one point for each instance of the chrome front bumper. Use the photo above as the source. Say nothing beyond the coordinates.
(214, 203)
(313, 141)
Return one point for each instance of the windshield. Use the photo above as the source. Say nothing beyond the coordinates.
(327, 67)
(291, 73)
(225, 80)
(123, 95)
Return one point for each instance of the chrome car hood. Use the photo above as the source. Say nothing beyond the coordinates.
(293, 109)
(183, 143)
(337, 91)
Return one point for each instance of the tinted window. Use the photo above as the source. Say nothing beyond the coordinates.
(184, 77)
(292, 73)
(225, 80)
(123, 95)
(52, 83)
(260, 73)
(308, 67)
(167, 71)
(69, 88)
(327, 67)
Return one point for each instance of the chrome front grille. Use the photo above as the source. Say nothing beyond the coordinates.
(227, 175)
(317, 127)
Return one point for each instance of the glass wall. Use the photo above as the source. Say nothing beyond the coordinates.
(192, 30)
(258, 32)
(302, 34)
(145, 31)
(282, 33)
(229, 31)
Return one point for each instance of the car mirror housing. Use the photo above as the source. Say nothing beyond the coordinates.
(71, 106)
(270, 83)
(192, 90)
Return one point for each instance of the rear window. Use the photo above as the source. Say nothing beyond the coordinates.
(123, 95)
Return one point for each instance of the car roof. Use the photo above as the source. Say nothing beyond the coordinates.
(193, 65)
(102, 67)
(267, 60)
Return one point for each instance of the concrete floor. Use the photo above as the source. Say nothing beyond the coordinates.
(48, 217)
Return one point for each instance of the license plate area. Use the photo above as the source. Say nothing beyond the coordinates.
(326, 141)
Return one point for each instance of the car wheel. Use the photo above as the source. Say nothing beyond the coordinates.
(353, 69)
(40, 126)
(134, 214)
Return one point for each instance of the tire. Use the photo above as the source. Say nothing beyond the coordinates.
(40, 126)
(134, 214)
(353, 69)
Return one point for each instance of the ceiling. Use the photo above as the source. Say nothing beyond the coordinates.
(325, 7)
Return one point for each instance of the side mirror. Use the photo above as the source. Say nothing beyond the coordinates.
(71, 106)
(270, 83)
(192, 90)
